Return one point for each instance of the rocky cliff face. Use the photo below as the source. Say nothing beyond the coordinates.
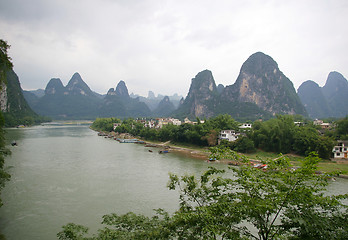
(54, 86)
(121, 90)
(3, 97)
(260, 91)
(261, 82)
(12, 100)
(202, 95)
(77, 86)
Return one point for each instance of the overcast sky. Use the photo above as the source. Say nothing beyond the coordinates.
(161, 45)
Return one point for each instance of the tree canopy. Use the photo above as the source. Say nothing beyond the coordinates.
(281, 202)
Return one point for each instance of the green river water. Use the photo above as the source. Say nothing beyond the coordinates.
(66, 173)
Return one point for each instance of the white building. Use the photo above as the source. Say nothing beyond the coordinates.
(341, 149)
(229, 135)
(174, 121)
(165, 121)
(246, 125)
(116, 125)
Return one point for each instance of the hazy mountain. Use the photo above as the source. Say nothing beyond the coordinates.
(77, 86)
(220, 88)
(152, 101)
(328, 101)
(54, 86)
(74, 101)
(164, 108)
(260, 91)
(336, 92)
(118, 103)
(39, 92)
(313, 99)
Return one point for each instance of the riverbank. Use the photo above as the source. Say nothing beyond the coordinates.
(325, 166)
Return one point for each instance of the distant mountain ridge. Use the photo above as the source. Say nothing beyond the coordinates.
(260, 91)
(77, 101)
(118, 103)
(328, 101)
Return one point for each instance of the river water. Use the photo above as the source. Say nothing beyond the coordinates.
(66, 173)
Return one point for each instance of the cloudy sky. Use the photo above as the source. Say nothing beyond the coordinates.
(160, 45)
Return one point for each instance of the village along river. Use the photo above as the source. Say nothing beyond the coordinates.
(66, 173)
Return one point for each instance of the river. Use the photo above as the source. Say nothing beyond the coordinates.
(66, 173)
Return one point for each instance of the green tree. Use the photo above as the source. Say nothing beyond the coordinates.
(342, 129)
(104, 124)
(277, 203)
(224, 122)
(241, 203)
(244, 145)
(5, 61)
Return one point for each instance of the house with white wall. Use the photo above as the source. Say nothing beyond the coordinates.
(340, 150)
(246, 125)
(229, 135)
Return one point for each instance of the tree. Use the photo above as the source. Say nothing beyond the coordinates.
(5, 65)
(104, 124)
(244, 145)
(275, 135)
(211, 137)
(342, 129)
(224, 122)
(244, 202)
(5, 61)
(278, 203)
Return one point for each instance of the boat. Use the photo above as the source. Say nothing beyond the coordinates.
(128, 140)
(14, 143)
(163, 151)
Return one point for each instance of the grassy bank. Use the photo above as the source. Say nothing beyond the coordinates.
(199, 152)
(326, 166)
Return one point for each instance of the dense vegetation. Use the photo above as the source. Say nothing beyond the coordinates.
(5, 64)
(280, 134)
(241, 203)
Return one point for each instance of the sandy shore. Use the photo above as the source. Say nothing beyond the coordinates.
(192, 153)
